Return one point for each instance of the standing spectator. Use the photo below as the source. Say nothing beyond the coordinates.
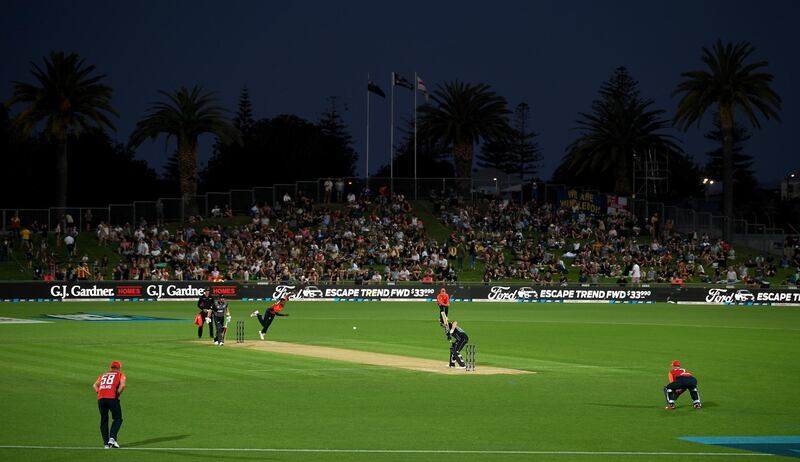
(70, 222)
(473, 254)
(654, 225)
(58, 235)
(69, 241)
(87, 219)
(14, 227)
(25, 235)
(43, 235)
(460, 252)
(108, 388)
(636, 273)
(328, 185)
(339, 190)
(159, 213)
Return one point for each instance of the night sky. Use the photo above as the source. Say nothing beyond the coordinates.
(293, 55)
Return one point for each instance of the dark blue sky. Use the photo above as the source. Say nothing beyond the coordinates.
(293, 55)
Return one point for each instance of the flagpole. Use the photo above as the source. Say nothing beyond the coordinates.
(416, 82)
(391, 143)
(367, 172)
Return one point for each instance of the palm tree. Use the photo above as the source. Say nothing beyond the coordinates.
(621, 124)
(186, 114)
(69, 99)
(732, 85)
(463, 114)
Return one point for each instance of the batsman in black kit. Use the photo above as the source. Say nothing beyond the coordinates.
(460, 340)
(205, 303)
(221, 312)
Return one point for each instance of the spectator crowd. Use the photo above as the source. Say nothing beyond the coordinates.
(376, 239)
(545, 243)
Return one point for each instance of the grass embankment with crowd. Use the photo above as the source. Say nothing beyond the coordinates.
(16, 267)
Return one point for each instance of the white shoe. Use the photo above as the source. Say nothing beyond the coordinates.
(261, 334)
(254, 314)
(105, 446)
(112, 443)
(221, 343)
(216, 342)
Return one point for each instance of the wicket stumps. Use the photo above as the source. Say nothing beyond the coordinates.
(239, 331)
(469, 360)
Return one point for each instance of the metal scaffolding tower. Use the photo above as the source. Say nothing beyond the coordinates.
(650, 174)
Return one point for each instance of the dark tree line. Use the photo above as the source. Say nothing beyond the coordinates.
(282, 149)
(101, 171)
(56, 149)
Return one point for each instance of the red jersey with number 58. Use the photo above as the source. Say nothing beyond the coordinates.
(108, 384)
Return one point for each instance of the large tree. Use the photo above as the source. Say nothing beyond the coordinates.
(283, 149)
(744, 180)
(337, 143)
(69, 98)
(243, 121)
(732, 85)
(517, 152)
(433, 158)
(622, 124)
(185, 115)
(462, 114)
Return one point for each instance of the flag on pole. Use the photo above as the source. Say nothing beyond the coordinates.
(371, 86)
(421, 87)
(401, 81)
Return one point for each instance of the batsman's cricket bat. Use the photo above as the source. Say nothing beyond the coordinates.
(445, 324)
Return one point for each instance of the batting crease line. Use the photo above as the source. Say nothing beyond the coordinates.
(399, 451)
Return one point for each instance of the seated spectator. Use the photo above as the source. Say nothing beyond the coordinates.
(730, 277)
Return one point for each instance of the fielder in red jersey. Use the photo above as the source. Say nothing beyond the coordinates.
(108, 388)
(681, 380)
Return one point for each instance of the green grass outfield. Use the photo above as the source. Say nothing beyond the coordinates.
(596, 395)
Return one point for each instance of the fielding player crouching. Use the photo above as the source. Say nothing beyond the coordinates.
(681, 380)
(460, 339)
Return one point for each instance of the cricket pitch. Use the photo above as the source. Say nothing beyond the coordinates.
(374, 359)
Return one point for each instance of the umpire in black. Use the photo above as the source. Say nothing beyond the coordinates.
(460, 340)
(205, 303)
